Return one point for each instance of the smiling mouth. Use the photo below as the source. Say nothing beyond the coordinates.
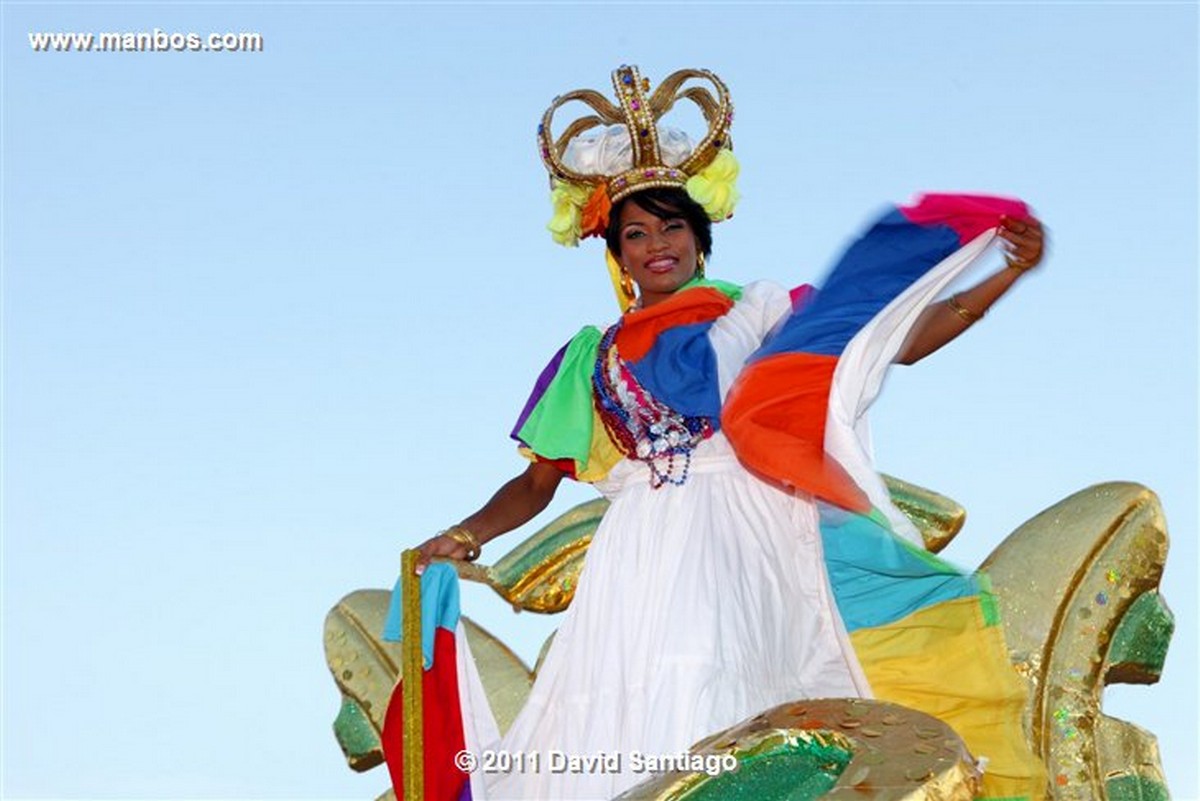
(662, 265)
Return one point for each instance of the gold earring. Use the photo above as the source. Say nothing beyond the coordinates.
(627, 287)
(622, 281)
(700, 265)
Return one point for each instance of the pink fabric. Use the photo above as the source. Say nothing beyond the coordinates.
(968, 215)
(801, 295)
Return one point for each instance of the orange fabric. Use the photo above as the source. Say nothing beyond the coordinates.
(595, 213)
(775, 419)
(696, 305)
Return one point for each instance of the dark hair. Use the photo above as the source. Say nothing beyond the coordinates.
(664, 203)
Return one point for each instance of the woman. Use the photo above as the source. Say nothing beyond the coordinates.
(724, 578)
(676, 240)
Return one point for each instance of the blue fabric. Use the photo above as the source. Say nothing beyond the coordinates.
(878, 578)
(871, 274)
(439, 608)
(680, 370)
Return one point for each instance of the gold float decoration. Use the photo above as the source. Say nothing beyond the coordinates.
(1077, 590)
(1067, 582)
(893, 752)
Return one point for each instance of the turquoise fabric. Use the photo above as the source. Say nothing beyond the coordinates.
(877, 577)
(439, 608)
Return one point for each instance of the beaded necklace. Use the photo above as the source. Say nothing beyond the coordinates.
(641, 426)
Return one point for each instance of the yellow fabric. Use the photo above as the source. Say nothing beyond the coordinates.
(947, 662)
(602, 455)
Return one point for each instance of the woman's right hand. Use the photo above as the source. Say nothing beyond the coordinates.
(439, 546)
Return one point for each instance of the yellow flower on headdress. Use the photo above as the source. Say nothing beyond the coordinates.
(568, 199)
(715, 187)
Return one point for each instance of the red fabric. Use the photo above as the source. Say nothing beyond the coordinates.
(774, 418)
(801, 295)
(968, 215)
(565, 466)
(641, 328)
(443, 732)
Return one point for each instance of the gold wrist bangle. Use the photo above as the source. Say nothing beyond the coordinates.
(1018, 265)
(962, 311)
(464, 536)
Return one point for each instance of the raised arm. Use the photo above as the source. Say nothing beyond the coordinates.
(944, 321)
(513, 505)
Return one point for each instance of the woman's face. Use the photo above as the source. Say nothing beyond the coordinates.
(659, 254)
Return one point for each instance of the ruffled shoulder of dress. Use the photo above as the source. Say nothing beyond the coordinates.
(558, 422)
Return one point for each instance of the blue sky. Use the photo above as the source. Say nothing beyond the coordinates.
(268, 318)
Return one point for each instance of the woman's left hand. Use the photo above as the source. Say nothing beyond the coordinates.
(1024, 247)
(1024, 242)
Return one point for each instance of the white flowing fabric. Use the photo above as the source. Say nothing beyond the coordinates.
(859, 375)
(698, 606)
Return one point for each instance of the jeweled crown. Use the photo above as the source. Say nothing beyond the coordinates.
(639, 111)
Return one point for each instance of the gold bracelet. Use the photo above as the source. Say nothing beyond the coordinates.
(463, 536)
(1019, 265)
(962, 311)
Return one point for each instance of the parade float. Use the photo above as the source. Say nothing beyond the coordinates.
(1077, 592)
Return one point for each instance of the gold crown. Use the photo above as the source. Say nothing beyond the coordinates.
(640, 115)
